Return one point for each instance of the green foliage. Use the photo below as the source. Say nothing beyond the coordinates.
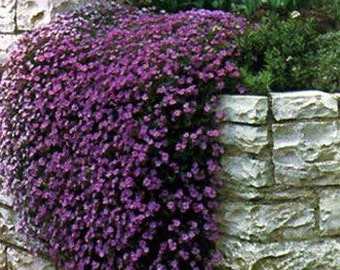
(247, 6)
(176, 5)
(272, 53)
(324, 65)
(289, 4)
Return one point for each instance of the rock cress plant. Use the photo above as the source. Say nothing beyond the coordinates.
(108, 135)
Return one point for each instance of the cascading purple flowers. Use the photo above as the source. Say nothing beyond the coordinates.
(108, 135)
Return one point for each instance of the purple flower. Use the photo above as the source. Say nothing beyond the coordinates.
(107, 115)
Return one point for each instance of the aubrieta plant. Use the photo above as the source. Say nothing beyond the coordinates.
(108, 135)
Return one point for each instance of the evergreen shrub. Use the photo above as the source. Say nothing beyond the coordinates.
(108, 135)
(323, 65)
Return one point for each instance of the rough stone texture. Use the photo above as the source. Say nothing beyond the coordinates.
(330, 212)
(304, 105)
(244, 109)
(306, 153)
(32, 13)
(7, 16)
(5, 199)
(8, 228)
(281, 193)
(247, 170)
(244, 138)
(304, 255)
(3, 258)
(21, 260)
(272, 222)
(6, 40)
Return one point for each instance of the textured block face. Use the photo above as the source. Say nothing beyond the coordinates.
(244, 109)
(32, 13)
(7, 16)
(261, 222)
(304, 105)
(246, 170)
(3, 262)
(246, 139)
(330, 212)
(8, 228)
(6, 40)
(20, 260)
(306, 153)
(302, 255)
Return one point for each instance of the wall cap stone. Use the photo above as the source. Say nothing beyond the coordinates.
(244, 109)
(304, 105)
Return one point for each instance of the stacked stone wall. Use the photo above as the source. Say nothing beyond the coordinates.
(281, 198)
(18, 16)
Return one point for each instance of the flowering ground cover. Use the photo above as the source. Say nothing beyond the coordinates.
(108, 135)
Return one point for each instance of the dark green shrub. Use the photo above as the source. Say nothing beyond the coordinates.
(176, 5)
(324, 65)
(272, 53)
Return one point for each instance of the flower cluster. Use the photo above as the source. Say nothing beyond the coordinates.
(108, 135)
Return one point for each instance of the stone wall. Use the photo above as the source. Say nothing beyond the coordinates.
(281, 172)
(17, 16)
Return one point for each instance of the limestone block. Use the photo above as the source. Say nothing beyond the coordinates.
(6, 40)
(8, 225)
(304, 255)
(306, 153)
(32, 13)
(247, 170)
(3, 57)
(2, 256)
(246, 139)
(268, 222)
(60, 6)
(21, 260)
(272, 194)
(330, 212)
(244, 109)
(7, 16)
(304, 105)
(5, 198)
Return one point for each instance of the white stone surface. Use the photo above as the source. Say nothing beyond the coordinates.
(304, 105)
(244, 109)
(268, 222)
(7, 16)
(247, 139)
(5, 199)
(8, 228)
(20, 260)
(6, 40)
(304, 255)
(247, 170)
(32, 13)
(306, 152)
(330, 212)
